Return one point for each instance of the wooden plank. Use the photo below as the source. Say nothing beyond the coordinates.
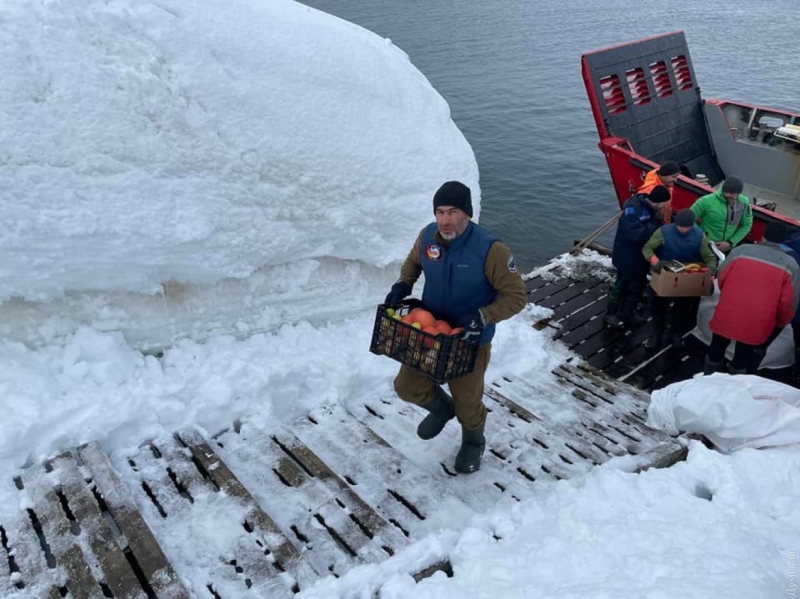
(285, 553)
(580, 302)
(297, 504)
(587, 339)
(511, 406)
(5, 570)
(612, 386)
(363, 512)
(117, 572)
(242, 563)
(493, 476)
(141, 542)
(619, 404)
(535, 283)
(58, 533)
(538, 295)
(442, 566)
(662, 456)
(335, 515)
(182, 466)
(623, 410)
(582, 317)
(402, 493)
(632, 446)
(550, 442)
(578, 289)
(641, 355)
(604, 340)
(684, 367)
(627, 353)
(23, 543)
(646, 376)
(611, 447)
(622, 421)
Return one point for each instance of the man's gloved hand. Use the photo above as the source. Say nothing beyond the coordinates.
(473, 324)
(400, 291)
(656, 264)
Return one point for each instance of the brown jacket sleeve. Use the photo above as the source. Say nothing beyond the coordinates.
(501, 271)
(412, 267)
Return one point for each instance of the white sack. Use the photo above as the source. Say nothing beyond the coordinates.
(730, 411)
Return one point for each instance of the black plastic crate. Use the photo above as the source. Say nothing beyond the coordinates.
(440, 357)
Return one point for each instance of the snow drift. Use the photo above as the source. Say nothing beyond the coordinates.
(183, 168)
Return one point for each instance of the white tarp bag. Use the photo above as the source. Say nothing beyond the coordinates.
(730, 411)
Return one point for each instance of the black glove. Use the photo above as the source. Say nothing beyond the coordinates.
(658, 266)
(473, 324)
(400, 291)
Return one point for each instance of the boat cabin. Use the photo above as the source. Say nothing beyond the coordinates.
(647, 106)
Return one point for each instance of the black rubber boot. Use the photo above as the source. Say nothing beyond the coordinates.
(472, 445)
(710, 367)
(611, 317)
(656, 339)
(441, 410)
(676, 339)
(628, 314)
(654, 342)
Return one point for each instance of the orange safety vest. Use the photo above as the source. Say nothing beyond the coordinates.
(653, 180)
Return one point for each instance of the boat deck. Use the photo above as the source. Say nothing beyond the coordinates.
(578, 304)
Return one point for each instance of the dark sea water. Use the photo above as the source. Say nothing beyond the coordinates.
(510, 71)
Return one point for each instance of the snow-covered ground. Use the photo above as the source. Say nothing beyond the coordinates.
(236, 183)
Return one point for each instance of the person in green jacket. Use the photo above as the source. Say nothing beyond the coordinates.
(725, 215)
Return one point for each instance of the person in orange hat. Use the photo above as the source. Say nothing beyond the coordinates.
(665, 175)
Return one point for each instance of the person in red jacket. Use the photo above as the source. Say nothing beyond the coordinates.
(759, 287)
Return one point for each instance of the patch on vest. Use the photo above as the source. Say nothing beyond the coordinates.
(512, 267)
(433, 251)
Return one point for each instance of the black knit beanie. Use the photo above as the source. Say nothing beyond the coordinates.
(453, 193)
(685, 218)
(776, 232)
(659, 194)
(669, 168)
(733, 185)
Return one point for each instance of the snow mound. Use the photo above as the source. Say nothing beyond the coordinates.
(206, 155)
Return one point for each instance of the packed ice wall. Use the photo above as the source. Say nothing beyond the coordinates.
(185, 168)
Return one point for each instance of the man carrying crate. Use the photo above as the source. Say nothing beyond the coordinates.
(471, 281)
(685, 242)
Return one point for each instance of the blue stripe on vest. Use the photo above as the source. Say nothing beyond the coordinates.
(455, 281)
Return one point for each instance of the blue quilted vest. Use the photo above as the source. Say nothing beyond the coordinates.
(683, 248)
(455, 279)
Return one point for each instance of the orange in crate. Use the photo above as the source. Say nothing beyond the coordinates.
(440, 356)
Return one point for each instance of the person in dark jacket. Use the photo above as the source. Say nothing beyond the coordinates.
(685, 242)
(792, 247)
(640, 218)
(471, 280)
(759, 287)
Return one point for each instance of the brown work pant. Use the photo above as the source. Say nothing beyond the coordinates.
(467, 391)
